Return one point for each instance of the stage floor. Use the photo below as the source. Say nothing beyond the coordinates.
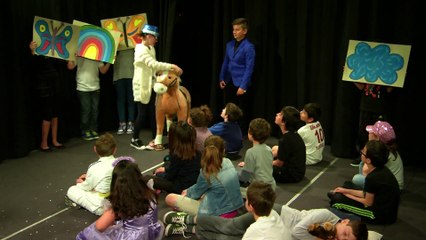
(33, 188)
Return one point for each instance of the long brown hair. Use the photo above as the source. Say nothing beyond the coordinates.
(130, 196)
(182, 138)
(211, 160)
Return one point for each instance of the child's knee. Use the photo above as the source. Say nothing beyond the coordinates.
(171, 199)
(274, 151)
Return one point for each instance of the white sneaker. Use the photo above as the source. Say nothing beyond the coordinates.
(121, 128)
(137, 144)
(130, 128)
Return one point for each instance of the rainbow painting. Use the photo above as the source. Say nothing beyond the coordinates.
(97, 43)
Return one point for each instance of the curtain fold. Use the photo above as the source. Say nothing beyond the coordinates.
(300, 53)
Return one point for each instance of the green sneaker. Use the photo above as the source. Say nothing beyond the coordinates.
(86, 135)
(94, 134)
(175, 229)
(175, 217)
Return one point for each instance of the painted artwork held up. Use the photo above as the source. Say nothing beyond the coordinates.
(55, 38)
(376, 63)
(97, 43)
(128, 26)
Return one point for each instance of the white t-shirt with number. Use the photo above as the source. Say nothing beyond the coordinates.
(313, 136)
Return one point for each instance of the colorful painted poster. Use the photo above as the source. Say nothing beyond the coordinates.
(55, 38)
(376, 63)
(128, 26)
(97, 43)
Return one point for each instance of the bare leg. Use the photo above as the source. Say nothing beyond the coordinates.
(45, 127)
(183, 204)
(55, 132)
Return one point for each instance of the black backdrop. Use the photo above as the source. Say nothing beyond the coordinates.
(300, 52)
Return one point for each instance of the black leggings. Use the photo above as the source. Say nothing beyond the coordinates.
(145, 111)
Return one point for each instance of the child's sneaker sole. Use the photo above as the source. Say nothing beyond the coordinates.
(136, 147)
(70, 203)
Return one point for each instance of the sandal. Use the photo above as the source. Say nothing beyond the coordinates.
(159, 147)
(48, 149)
(59, 146)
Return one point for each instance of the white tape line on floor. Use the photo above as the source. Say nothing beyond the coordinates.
(311, 182)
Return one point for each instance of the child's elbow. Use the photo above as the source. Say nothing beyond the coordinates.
(99, 228)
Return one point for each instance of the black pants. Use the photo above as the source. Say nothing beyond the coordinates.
(146, 111)
(243, 101)
(367, 118)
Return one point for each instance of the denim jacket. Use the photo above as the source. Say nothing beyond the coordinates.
(222, 195)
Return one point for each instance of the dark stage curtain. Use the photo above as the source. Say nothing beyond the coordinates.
(300, 53)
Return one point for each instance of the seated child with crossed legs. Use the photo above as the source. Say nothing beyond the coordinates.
(216, 193)
(92, 187)
(131, 211)
(257, 165)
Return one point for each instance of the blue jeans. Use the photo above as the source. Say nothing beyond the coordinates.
(89, 110)
(124, 92)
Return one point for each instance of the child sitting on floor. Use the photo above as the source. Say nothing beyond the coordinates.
(92, 187)
(182, 165)
(131, 209)
(378, 201)
(257, 165)
(200, 118)
(384, 132)
(217, 191)
(290, 153)
(312, 133)
(230, 131)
